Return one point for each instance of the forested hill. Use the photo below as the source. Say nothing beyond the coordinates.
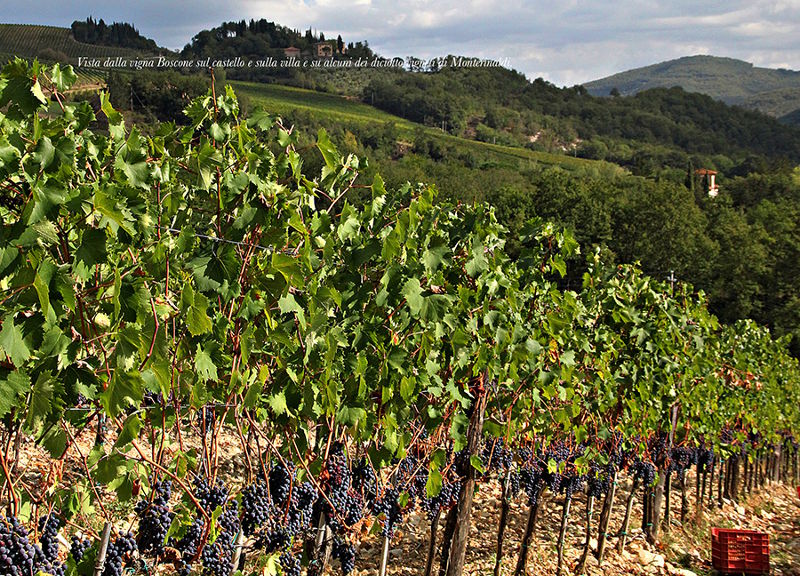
(500, 105)
(261, 38)
(773, 91)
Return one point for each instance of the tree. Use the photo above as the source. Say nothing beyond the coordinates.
(339, 44)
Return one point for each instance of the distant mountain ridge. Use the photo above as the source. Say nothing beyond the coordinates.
(773, 91)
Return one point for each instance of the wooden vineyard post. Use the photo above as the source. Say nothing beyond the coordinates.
(432, 542)
(533, 513)
(101, 553)
(623, 533)
(562, 533)
(605, 517)
(458, 545)
(579, 569)
(503, 520)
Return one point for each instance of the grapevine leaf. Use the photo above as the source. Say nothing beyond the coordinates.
(41, 399)
(125, 388)
(287, 303)
(130, 431)
(412, 291)
(12, 344)
(206, 369)
(92, 251)
(434, 484)
(12, 385)
(63, 78)
(475, 462)
(350, 416)
(195, 306)
(328, 150)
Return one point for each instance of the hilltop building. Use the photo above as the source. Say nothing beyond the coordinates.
(324, 49)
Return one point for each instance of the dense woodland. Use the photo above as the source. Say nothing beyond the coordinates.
(120, 34)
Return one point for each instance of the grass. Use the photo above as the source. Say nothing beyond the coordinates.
(281, 99)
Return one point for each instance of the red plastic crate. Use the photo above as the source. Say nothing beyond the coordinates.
(739, 551)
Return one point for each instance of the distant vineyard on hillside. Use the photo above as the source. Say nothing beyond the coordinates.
(31, 40)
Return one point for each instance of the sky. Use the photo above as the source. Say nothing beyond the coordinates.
(570, 43)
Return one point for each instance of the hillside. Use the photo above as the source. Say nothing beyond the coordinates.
(775, 92)
(33, 41)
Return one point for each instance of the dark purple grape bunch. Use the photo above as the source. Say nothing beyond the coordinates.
(495, 457)
(281, 478)
(388, 506)
(256, 507)
(48, 528)
(683, 458)
(119, 555)
(207, 418)
(560, 455)
(19, 556)
(345, 553)
(657, 446)
(643, 471)
(445, 499)
(290, 564)
(344, 506)
(365, 481)
(598, 480)
(155, 518)
(78, 547)
(705, 456)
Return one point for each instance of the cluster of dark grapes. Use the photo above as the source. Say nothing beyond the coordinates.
(571, 482)
(119, 554)
(278, 509)
(301, 508)
(210, 497)
(613, 447)
(189, 544)
(682, 458)
(48, 527)
(345, 553)
(388, 505)
(560, 454)
(281, 478)
(290, 564)
(705, 456)
(598, 481)
(207, 418)
(78, 547)
(216, 557)
(155, 518)
(657, 447)
(365, 481)
(643, 471)
(444, 500)
(19, 556)
(256, 507)
(495, 456)
(531, 480)
(344, 506)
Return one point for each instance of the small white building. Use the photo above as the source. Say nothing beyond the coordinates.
(710, 176)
